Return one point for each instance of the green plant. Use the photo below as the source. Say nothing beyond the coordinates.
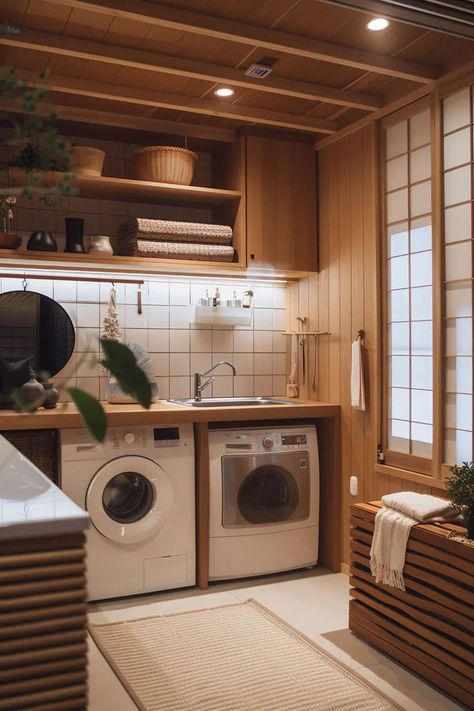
(460, 489)
(38, 148)
(33, 144)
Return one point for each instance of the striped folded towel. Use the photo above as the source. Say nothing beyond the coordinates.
(173, 231)
(174, 250)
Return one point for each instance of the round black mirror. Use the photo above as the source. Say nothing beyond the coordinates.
(34, 325)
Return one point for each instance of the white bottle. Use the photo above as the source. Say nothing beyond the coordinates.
(217, 298)
(207, 299)
(236, 303)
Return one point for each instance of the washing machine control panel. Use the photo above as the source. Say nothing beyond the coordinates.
(267, 441)
(79, 445)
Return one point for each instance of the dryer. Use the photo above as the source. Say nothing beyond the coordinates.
(138, 488)
(263, 500)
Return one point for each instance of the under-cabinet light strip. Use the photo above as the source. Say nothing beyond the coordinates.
(112, 280)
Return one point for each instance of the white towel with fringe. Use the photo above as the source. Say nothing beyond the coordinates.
(393, 524)
(357, 376)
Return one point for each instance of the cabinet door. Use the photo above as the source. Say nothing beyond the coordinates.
(281, 204)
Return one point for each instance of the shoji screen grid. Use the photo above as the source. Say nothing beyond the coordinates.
(458, 127)
(409, 339)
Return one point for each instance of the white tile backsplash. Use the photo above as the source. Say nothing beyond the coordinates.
(165, 328)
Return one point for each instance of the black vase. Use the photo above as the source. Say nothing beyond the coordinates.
(42, 241)
(74, 235)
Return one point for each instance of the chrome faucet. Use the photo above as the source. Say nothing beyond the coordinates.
(199, 385)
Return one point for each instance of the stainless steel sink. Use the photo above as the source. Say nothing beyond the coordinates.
(230, 401)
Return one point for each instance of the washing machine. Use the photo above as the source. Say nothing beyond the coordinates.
(138, 488)
(263, 500)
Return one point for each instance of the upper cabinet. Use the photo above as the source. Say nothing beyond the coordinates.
(281, 198)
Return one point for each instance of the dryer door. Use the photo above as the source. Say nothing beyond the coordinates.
(265, 488)
(129, 499)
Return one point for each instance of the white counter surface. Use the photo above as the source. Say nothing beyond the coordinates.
(30, 504)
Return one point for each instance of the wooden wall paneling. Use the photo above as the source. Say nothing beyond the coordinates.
(358, 207)
(325, 193)
(333, 297)
(371, 288)
(346, 302)
(303, 312)
(347, 237)
(313, 316)
(330, 493)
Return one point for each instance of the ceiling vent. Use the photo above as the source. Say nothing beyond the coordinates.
(258, 71)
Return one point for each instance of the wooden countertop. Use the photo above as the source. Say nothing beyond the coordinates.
(164, 412)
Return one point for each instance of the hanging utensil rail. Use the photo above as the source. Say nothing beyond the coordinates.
(115, 280)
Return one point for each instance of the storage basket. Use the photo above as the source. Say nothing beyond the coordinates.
(165, 164)
(86, 160)
(39, 446)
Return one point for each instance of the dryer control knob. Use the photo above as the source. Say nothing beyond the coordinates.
(267, 442)
(129, 438)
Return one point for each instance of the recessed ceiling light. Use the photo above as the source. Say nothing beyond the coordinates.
(377, 24)
(224, 91)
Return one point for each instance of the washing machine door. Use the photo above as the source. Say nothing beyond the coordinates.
(265, 488)
(129, 499)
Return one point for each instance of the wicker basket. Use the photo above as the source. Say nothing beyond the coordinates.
(39, 446)
(165, 164)
(86, 160)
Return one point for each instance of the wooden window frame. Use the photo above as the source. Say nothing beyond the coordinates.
(418, 465)
(421, 470)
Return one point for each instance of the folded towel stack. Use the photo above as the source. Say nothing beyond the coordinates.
(176, 240)
(393, 524)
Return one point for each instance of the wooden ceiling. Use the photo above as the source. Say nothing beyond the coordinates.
(155, 66)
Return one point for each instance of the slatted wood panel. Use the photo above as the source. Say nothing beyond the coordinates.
(43, 662)
(428, 627)
(341, 299)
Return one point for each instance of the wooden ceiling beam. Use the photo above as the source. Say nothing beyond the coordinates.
(255, 36)
(160, 99)
(446, 17)
(127, 121)
(181, 66)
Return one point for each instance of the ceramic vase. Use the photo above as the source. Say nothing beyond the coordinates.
(51, 396)
(100, 244)
(32, 393)
(74, 235)
(42, 241)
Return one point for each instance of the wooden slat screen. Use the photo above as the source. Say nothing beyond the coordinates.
(43, 663)
(428, 627)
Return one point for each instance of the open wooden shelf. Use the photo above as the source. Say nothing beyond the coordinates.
(102, 187)
(115, 264)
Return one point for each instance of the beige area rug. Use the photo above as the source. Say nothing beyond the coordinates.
(232, 658)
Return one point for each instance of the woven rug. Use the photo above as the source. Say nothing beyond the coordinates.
(232, 658)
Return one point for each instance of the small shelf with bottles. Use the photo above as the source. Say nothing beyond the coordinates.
(234, 312)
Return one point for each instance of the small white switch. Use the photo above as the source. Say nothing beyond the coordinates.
(353, 485)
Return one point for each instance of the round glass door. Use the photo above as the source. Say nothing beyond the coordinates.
(268, 494)
(128, 497)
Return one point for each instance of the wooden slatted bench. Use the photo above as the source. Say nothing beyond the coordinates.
(429, 627)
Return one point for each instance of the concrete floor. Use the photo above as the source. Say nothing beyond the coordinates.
(314, 602)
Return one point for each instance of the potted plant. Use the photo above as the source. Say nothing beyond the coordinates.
(460, 491)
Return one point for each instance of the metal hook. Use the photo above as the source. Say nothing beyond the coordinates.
(139, 299)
